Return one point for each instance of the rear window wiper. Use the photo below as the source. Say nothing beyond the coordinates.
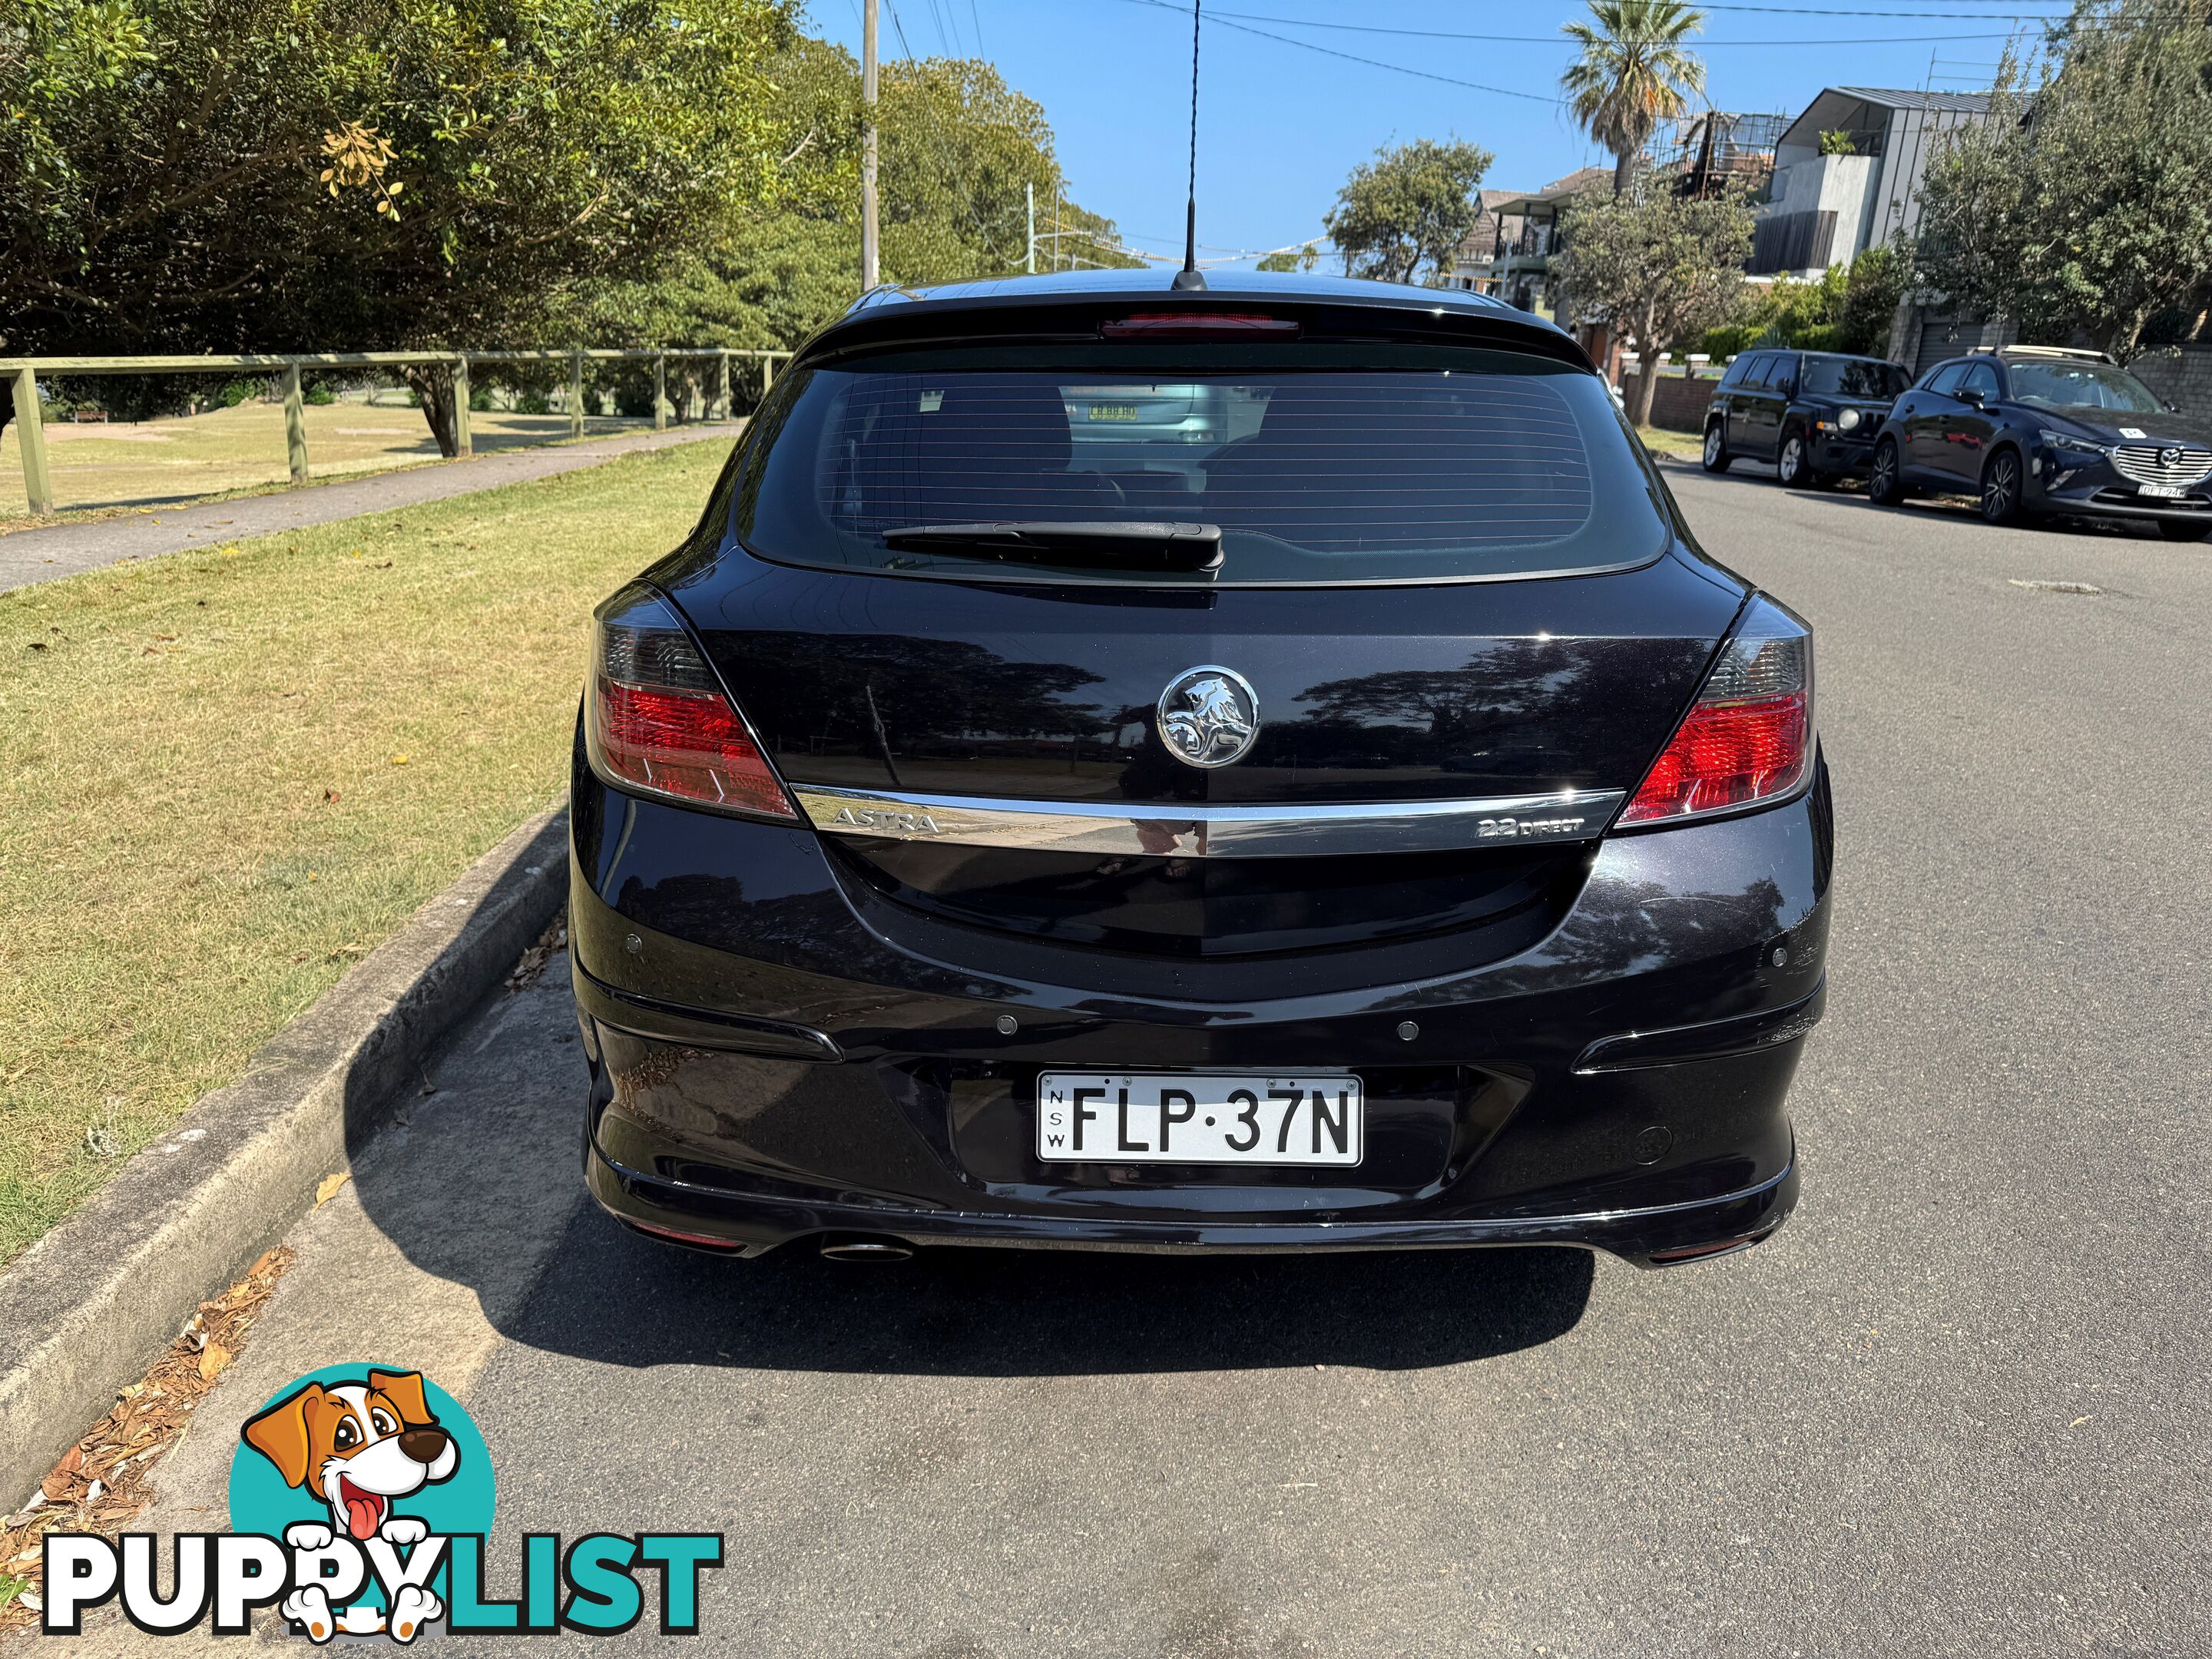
(1106, 543)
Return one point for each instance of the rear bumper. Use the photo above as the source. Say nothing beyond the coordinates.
(777, 1054)
(1656, 1237)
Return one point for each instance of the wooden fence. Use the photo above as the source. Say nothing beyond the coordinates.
(38, 481)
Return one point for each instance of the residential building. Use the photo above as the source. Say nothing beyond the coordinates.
(1704, 154)
(1518, 270)
(1847, 174)
(1471, 266)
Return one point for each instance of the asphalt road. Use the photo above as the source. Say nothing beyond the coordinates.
(1957, 1407)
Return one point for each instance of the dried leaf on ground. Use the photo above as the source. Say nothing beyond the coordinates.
(101, 1484)
(550, 943)
(328, 1188)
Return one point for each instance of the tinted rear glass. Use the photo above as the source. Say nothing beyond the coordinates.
(1328, 463)
(1837, 377)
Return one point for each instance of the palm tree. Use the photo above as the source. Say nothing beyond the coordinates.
(1634, 72)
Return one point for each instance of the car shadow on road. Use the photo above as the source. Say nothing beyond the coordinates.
(613, 1296)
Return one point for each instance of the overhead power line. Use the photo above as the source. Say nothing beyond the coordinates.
(1354, 57)
(937, 139)
(1228, 20)
(1555, 39)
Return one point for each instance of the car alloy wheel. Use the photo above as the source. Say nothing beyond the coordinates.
(1795, 472)
(1882, 486)
(2000, 489)
(1717, 456)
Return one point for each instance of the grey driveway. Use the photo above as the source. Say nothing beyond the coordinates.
(1957, 1407)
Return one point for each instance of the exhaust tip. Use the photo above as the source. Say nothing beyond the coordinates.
(864, 1250)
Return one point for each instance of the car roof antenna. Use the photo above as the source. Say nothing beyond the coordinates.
(1190, 276)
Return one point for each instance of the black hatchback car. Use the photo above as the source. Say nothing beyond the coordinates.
(1813, 414)
(2037, 431)
(1370, 823)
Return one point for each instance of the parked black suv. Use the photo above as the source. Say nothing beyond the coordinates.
(1813, 414)
(2038, 430)
(1007, 820)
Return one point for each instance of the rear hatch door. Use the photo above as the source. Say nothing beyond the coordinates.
(1444, 634)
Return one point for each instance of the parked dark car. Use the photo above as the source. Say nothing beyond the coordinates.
(1813, 414)
(2038, 431)
(1387, 830)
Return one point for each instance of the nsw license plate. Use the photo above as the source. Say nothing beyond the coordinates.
(1113, 411)
(1198, 1117)
(2169, 492)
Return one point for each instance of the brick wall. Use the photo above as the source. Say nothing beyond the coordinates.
(1679, 403)
(2181, 374)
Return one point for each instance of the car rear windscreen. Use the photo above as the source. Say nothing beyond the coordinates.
(1331, 464)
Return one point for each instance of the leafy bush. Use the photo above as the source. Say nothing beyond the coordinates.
(1841, 311)
(533, 402)
(1877, 284)
(318, 395)
(1722, 343)
(129, 396)
(236, 393)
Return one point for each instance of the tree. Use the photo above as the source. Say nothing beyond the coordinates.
(1292, 259)
(346, 174)
(1409, 209)
(1655, 265)
(958, 148)
(1878, 280)
(2086, 202)
(1633, 73)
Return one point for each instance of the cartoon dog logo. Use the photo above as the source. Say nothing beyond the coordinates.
(357, 1446)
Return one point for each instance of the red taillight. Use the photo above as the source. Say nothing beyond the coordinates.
(1748, 738)
(661, 723)
(696, 1241)
(1194, 324)
(1724, 755)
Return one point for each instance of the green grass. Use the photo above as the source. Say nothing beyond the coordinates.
(1682, 446)
(223, 453)
(226, 775)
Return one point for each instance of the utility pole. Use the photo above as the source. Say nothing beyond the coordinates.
(868, 241)
(1028, 196)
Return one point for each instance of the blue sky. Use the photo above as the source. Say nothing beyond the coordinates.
(1280, 125)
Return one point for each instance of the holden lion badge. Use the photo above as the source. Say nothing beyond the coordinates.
(1208, 716)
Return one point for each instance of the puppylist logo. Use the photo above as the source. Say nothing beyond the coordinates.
(361, 1500)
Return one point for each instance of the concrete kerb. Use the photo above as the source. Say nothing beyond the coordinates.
(89, 1306)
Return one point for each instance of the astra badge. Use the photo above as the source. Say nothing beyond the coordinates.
(1208, 716)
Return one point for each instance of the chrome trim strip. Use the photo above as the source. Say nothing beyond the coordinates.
(1117, 829)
